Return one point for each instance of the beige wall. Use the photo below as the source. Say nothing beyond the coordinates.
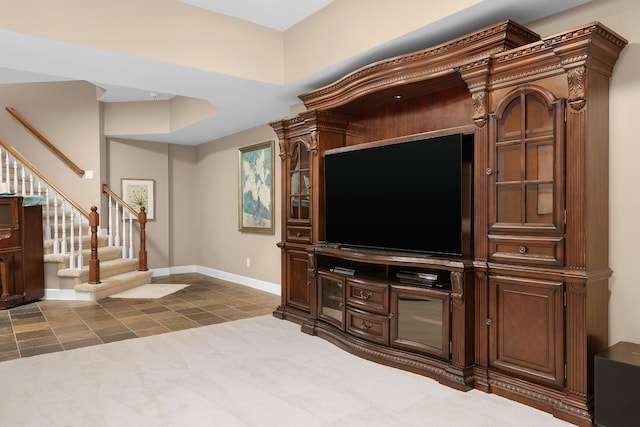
(66, 114)
(344, 29)
(144, 160)
(624, 201)
(184, 195)
(222, 246)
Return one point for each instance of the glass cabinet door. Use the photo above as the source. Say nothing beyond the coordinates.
(527, 164)
(299, 183)
(420, 320)
(331, 291)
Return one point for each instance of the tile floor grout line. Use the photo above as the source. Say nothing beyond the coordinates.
(206, 301)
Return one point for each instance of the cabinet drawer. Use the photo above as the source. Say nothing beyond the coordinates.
(299, 234)
(371, 327)
(527, 250)
(368, 296)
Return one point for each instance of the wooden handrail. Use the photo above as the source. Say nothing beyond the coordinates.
(109, 191)
(42, 178)
(46, 142)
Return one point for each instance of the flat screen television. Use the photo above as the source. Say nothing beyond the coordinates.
(411, 196)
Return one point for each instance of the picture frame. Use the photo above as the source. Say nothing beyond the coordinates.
(140, 192)
(256, 188)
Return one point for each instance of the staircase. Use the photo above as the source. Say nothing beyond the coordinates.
(67, 231)
(66, 256)
(117, 274)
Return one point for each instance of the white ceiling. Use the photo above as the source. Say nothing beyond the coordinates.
(243, 103)
(277, 14)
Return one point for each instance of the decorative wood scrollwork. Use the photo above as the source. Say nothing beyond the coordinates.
(312, 142)
(457, 292)
(576, 78)
(283, 151)
(479, 100)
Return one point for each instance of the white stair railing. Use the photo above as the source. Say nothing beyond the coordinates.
(19, 179)
(120, 228)
(22, 178)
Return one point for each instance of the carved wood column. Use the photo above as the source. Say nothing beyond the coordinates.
(462, 308)
(476, 76)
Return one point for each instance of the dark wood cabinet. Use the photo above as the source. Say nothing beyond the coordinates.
(526, 337)
(21, 252)
(391, 320)
(527, 306)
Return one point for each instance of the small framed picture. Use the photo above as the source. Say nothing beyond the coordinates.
(139, 192)
(256, 192)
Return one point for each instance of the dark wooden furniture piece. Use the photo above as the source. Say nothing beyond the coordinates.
(525, 314)
(21, 252)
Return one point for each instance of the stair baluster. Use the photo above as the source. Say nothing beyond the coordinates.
(110, 228)
(56, 241)
(63, 216)
(124, 233)
(80, 263)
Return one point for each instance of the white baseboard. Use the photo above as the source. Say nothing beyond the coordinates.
(272, 288)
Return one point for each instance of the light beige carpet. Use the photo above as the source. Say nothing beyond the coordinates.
(253, 372)
(150, 291)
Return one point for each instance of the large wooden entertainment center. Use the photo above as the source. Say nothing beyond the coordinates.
(524, 314)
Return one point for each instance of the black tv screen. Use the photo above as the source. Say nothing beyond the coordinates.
(410, 196)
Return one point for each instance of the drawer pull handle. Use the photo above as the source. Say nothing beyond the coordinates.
(522, 249)
(489, 322)
(298, 234)
(366, 325)
(364, 296)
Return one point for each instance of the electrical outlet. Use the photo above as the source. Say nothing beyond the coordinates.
(248, 262)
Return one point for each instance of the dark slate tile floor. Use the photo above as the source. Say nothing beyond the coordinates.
(49, 326)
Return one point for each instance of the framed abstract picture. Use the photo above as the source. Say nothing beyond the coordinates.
(139, 192)
(256, 188)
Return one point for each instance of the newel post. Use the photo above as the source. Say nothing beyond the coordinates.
(94, 263)
(142, 256)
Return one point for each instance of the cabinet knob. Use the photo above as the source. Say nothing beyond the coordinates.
(522, 249)
(489, 322)
(365, 296)
(366, 325)
(489, 171)
(298, 234)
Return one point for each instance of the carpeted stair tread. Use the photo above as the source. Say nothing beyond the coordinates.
(107, 269)
(114, 284)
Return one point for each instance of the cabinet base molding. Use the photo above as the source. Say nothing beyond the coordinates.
(556, 402)
(443, 372)
(290, 314)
